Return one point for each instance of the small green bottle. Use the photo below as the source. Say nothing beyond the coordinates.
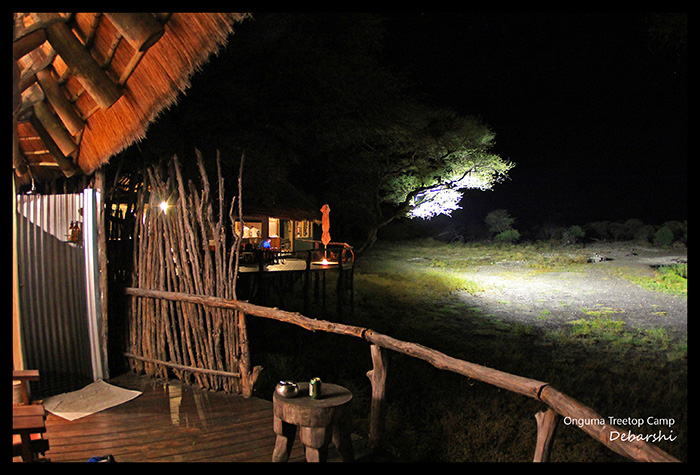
(315, 388)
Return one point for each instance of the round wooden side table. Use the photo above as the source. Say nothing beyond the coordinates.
(319, 421)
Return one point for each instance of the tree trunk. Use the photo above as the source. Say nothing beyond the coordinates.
(372, 233)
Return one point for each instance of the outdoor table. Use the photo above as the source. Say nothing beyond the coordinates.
(28, 420)
(319, 421)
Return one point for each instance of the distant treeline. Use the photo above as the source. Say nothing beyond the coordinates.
(499, 226)
(664, 234)
(504, 228)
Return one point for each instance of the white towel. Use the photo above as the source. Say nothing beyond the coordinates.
(93, 398)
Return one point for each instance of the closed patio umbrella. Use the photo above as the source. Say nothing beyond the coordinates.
(326, 225)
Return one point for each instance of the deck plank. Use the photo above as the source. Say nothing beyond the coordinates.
(169, 422)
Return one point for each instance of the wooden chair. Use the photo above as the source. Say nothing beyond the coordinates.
(24, 377)
(28, 421)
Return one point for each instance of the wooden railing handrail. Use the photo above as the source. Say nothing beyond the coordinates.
(563, 405)
(517, 384)
(345, 255)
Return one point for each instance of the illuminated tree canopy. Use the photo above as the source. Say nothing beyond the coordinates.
(448, 155)
(427, 160)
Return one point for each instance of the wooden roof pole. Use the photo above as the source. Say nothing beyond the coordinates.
(59, 101)
(55, 128)
(65, 164)
(28, 43)
(141, 30)
(19, 162)
(81, 63)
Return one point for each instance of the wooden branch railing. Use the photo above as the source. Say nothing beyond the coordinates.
(559, 404)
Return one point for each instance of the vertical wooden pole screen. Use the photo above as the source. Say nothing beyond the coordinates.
(185, 243)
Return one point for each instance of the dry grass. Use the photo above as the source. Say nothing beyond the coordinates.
(409, 291)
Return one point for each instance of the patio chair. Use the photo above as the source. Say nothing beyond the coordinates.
(28, 420)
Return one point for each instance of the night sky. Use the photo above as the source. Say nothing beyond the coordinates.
(591, 108)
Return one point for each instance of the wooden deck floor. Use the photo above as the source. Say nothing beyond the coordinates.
(172, 422)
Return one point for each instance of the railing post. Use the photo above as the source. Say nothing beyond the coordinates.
(546, 427)
(262, 279)
(307, 283)
(339, 286)
(248, 376)
(377, 377)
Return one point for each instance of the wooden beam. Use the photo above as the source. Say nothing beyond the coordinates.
(102, 260)
(55, 128)
(17, 347)
(67, 166)
(59, 101)
(131, 67)
(82, 65)
(141, 30)
(90, 38)
(19, 161)
(116, 41)
(28, 43)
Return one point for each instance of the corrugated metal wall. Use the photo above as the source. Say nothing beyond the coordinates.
(54, 317)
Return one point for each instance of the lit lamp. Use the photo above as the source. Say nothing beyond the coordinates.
(325, 263)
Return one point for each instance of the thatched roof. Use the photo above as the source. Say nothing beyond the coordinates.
(87, 85)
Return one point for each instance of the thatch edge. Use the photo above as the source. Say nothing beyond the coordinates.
(182, 52)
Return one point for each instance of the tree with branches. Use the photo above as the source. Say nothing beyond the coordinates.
(421, 164)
